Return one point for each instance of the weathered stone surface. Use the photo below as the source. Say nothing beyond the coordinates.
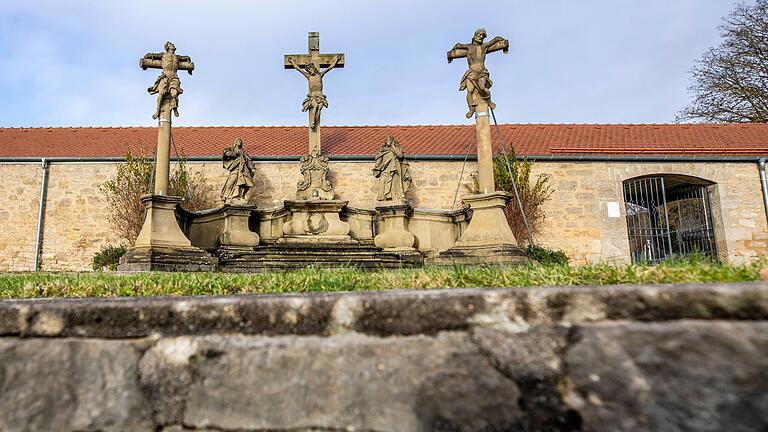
(349, 382)
(529, 356)
(70, 385)
(537, 359)
(380, 313)
(675, 376)
(533, 360)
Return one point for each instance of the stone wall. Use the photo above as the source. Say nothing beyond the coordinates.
(622, 358)
(19, 199)
(576, 217)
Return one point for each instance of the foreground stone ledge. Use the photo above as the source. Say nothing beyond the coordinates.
(618, 358)
(382, 313)
(610, 376)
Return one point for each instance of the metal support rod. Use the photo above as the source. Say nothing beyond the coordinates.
(764, 185)
(461, 175)
(41, 213)
(514, 182)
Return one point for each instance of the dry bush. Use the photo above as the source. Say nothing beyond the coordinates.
(532, 194)
(133, 179)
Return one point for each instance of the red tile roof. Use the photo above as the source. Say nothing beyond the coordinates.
(528, 139)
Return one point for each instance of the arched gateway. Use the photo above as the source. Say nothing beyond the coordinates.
(669, 215)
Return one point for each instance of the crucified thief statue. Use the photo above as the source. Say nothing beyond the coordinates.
(476, 79)
(315, 100)
(167, 86)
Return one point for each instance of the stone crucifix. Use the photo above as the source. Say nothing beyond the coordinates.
(167, 86)
(477, 82)
(310, 66)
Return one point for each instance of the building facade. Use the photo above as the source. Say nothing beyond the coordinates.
(621, 193)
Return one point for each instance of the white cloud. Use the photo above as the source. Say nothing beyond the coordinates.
(75, 62)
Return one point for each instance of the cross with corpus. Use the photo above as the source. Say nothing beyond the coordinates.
(310, 66)
(477, 82)
(167, 87)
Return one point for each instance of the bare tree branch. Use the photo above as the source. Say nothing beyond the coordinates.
(729, 84)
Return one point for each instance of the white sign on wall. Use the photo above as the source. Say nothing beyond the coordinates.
(613, 210)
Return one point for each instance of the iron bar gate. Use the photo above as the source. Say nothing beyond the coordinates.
(664, 221)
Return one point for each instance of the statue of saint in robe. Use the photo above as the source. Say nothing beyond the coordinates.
(393, 171)
(241, 169)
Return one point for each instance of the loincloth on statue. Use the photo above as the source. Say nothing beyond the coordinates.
(474, 77)
(163, 84)
(314, 101)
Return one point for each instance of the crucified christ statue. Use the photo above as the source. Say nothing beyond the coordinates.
(476, 80)
(315, 100)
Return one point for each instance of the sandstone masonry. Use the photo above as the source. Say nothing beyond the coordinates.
(577, 219)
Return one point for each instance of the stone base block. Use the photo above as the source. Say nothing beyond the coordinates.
(488, 225)
(161, 229)
(480, 255)
(488, 238)
(317, 240)
(236, 232)
(395, 235)
(288, 256)
(319, 218)
(168, 259)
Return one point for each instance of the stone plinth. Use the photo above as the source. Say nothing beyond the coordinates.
(314, 235)
(160, 225)
(315, 221)
(395, 235)
(161, 245)
(488, 238)
(236, 232)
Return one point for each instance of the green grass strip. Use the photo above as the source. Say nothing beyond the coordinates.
(13, 286)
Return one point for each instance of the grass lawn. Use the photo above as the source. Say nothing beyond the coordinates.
(349, 279)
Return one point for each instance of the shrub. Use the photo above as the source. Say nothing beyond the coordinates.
(108, 256)
(532, 195)
(547, 256)
(133, 178)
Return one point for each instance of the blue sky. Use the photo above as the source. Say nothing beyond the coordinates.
(75, 63)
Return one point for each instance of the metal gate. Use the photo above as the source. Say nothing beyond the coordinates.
(668, 218)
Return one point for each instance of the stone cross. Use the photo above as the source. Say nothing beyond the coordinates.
(477, 82)
(167, 86)
(309, 65)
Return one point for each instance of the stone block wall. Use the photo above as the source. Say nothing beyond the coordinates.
(576, 218)
(617, 358)
(75, 225)
(19, 199)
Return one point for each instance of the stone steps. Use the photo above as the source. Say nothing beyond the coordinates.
(281, 257)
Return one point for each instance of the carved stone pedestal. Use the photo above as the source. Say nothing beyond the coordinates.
(236, 232)
(161, 245)
(488, 238)
(315, 221)
(314, 236)
(394, 234)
